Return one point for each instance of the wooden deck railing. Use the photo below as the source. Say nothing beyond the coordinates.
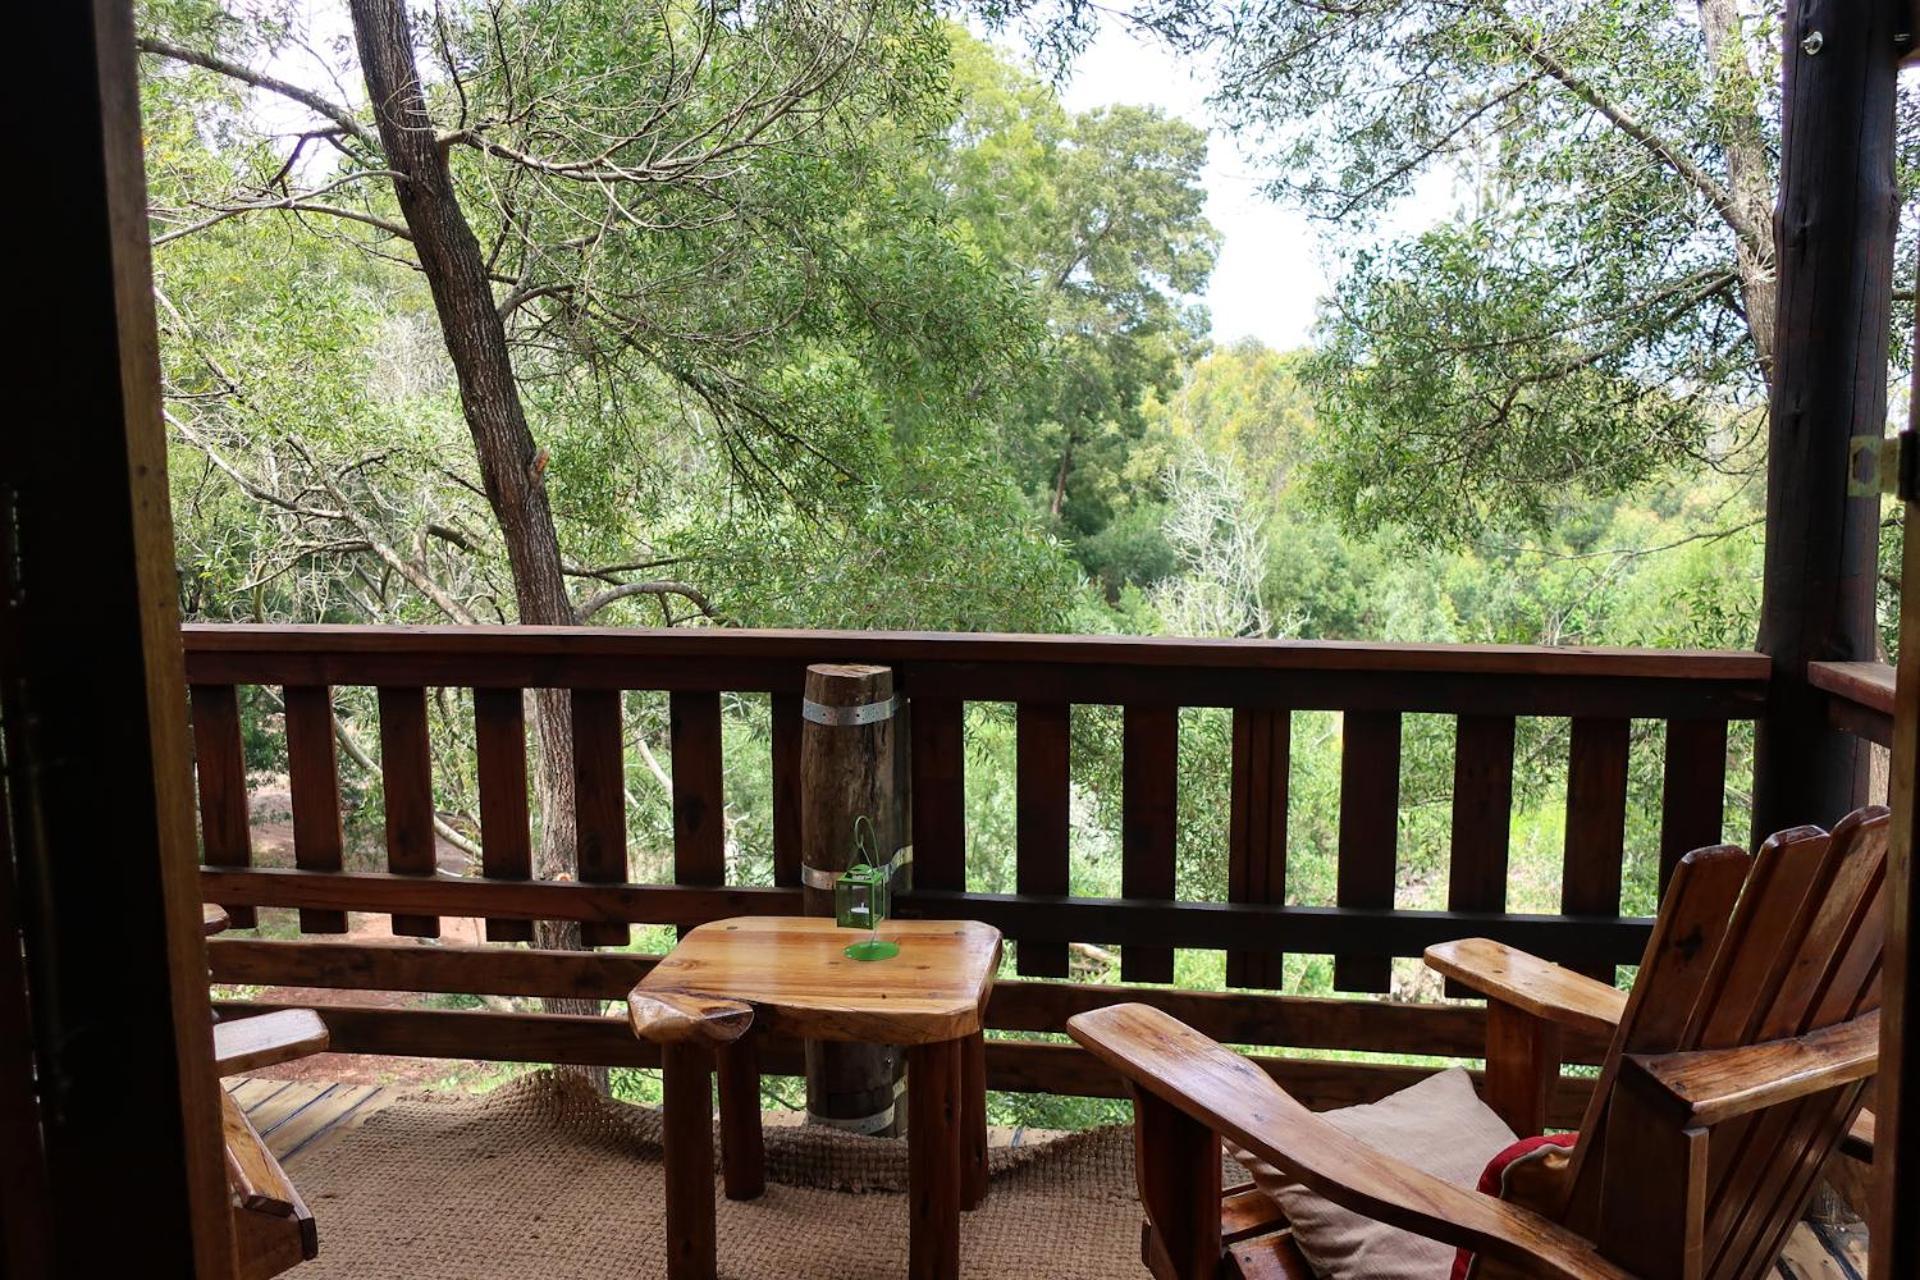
(1695, 694)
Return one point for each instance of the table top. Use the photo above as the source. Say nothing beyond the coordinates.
(793, 971)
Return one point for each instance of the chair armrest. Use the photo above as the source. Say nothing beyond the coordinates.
(1712, 1086)
(272, 1227)
(1530, 984)
(265, 1039)
(1160, 1055)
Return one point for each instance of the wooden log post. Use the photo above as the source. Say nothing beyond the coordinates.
(849, 763)
(1833, 245)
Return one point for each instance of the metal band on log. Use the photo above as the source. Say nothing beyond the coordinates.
(849, 770)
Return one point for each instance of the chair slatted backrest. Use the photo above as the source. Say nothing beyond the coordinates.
(1746, 951)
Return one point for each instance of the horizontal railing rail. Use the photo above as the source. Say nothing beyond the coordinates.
(1859, 697)
(1485, 688)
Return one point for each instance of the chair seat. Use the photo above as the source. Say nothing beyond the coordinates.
(1274, 1257)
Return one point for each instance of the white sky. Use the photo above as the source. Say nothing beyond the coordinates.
(1274, 260)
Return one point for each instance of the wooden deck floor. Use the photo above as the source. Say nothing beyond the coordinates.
(293, 1116)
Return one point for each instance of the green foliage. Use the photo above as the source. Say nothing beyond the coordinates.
(925, 355)
(1101, 213)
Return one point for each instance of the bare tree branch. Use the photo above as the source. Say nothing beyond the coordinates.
(260, 80)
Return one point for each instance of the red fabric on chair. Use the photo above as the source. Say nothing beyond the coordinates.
(1506, 1177)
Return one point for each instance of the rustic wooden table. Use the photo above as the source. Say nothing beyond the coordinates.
(793, 975)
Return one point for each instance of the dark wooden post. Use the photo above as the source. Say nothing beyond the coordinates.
(1833, 243)
(849, 763)
(1894, 1233)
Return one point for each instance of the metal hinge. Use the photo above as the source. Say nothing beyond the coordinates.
(1884, 465)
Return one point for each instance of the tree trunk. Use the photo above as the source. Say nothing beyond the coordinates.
(510, 467)
(1736, 89)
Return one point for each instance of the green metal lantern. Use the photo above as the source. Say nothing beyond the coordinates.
(863, 897)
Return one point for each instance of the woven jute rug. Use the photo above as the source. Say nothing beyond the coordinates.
(544, 1178)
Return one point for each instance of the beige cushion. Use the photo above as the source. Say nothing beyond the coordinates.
(1439, 1126)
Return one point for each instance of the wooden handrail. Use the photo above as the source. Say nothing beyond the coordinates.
(1859, 697)
(1114, 670)
(497, 642)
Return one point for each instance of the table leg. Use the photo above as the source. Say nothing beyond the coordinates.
(973, 1112)
(686, 1103)
(933, 1160)
(743, 1160)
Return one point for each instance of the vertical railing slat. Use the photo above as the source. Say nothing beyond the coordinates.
(500, 749)
(699, 789)
(1257, 830)
(1694, 793)
(600, 802)
(1149, 782)
(1369, 834)
(220, 766)
(406, 781)
(786, 729)
(1596, 822)
(1042, 785)
(1482, 818)
(938, 792)
(313, 778)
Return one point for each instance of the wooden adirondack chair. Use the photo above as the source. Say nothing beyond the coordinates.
(1737, 1066)
(272, 1227)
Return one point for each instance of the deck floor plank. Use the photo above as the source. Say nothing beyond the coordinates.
(293, 1116)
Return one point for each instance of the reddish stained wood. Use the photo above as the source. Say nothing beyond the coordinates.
(1523, 1065)
(1150, 746)
(1204, 925)
(786, 728)
(1257, 831)
(1177, 1169)
(1369, 835)
(406, 780)
(1042, 793)
(699, 789)
(500, 750)
(220, 767)
(303, 644)
(600, 803)
(1895, 1235)
(313, 779)
(1596, 823)
(1869, 685)
(938, 792)
(743, 1156)
(686, 1105)
(973, 1126)
(1482, 817)
(934, 1077)
(1693, 796)
(1300, 1022)
(1015, 1066)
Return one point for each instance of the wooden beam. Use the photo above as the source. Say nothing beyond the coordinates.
(1894, 1238)
(1018, 1066)
(1295, 1022)
(93, 700)
(1308, 675)
(1048, 918)
(1833, 244)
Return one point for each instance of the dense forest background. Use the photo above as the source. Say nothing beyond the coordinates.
(828, 313)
